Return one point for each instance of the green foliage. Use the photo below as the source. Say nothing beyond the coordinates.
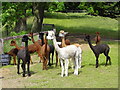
(13, 33)
(12, 11)
(56, 6)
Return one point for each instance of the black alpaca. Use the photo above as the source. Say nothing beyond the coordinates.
(25, 56)
(41, 36)
(99, 49)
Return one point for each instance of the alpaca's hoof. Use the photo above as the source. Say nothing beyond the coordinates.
(75, 73)
(61, 75)
(23, 75)
(18, 73)
(29, 74)
(96, 66)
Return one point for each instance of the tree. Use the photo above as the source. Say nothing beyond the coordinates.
(15, 12)
(38, 11)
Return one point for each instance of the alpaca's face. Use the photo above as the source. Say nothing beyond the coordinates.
(62, 33)
(87, 37)
(41, 35)
(12, 43)
(30, 34)
(51, 35)
(25, 38)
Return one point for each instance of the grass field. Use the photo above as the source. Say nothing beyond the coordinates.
(89, 76)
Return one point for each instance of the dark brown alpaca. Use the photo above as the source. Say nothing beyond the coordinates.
(97, 38)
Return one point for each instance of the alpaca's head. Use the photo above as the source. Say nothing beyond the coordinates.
(13, 43)
(87, 37)
(25, 38)
(51, 35)
(62, 33)
(30, 34)
(41, 34)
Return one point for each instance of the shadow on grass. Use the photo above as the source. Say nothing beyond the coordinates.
(101, 64)
(105, 33)
(65, 15)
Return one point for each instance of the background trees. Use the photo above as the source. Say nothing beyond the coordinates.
(14, 14)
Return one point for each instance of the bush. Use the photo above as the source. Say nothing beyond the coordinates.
(17, 34)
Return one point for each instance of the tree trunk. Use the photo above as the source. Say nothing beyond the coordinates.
(20, 25)
(38, 19)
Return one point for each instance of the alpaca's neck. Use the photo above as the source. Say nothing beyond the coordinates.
(91, 46)
(63, 42)
(33, 39)
(45, 44)
(56, 45)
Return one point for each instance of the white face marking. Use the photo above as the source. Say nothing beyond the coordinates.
(51, 35)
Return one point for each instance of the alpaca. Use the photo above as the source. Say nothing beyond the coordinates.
(13, 52)
(97, 38)
(45, 52)
(25, 56)
(36, 44)
(99, 49)
(66, 53)
(41, 37)
(65, 43)
(13, 43)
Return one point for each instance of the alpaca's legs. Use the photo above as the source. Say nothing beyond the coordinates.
(76, 66)
(107, 57)
(66, 67)
(14, 57)
(49, 60)
(97, 61)
(62, 65)
(52, 56)
(56, 58)
(18, 67)
(28, 68)
(23, 65)
(31, 60)
(79, 61)
(109, 60)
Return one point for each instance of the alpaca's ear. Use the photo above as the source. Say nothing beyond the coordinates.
(66, 33)
(54, 30)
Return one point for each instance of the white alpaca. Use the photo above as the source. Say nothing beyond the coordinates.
(66, 53)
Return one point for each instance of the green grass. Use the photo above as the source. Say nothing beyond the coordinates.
(81, 23)
(89, 76)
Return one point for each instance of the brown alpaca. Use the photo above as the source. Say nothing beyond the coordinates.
(97, 38)
(45, 50)
(13, 52)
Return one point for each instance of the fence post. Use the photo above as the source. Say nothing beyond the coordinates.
(1, 46)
